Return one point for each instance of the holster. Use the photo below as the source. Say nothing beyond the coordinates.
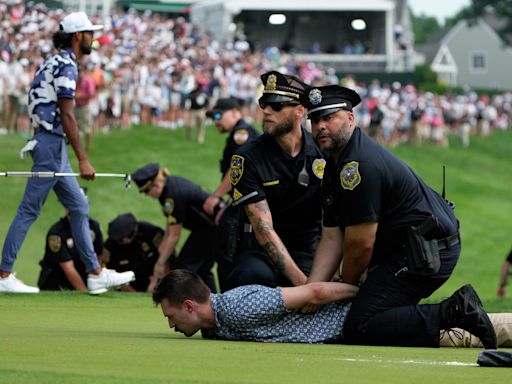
(422, 255)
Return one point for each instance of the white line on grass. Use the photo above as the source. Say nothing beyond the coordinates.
(420, 362)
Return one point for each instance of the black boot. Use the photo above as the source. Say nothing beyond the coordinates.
(464, 310)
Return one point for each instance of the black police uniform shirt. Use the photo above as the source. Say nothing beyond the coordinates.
(139, 256)
(370, 184)
(262, 170)
(241, 133)
(60, 247)
(182, 203)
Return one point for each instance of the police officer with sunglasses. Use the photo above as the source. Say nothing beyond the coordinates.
(276, 179)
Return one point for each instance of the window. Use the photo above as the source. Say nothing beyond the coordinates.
(478, 62)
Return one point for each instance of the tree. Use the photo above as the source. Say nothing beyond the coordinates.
(424, 27)
(500, 8)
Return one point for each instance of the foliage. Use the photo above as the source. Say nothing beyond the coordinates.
(501, 9)
(424, 27)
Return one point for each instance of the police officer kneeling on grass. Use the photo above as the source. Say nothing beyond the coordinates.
(276, 178)
(132, 245)
(380, 217)
(187, 206)
(62, 267)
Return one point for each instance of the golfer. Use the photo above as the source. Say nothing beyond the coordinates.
(51, 101)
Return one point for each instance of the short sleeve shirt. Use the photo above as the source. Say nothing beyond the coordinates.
(262, 170)
(258, 313)
(370, 184)
(55, 79)
(182, 203)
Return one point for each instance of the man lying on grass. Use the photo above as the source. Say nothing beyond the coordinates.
(258, 313)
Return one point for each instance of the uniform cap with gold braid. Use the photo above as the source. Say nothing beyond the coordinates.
(281, 88)
(145, 175)
(322, 101)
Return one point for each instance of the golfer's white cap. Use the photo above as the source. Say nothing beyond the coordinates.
(78, 22)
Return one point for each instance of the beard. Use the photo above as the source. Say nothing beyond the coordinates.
(85, 48)
(279, 129)
(338, 140)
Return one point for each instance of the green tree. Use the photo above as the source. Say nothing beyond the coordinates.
(424, 27)
(499, 8)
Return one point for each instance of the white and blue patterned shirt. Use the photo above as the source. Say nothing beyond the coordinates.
(258, 313)
(56, 78)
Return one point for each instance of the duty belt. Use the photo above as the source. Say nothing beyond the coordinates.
(448, 242)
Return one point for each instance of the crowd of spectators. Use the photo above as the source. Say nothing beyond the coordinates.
(146, 67)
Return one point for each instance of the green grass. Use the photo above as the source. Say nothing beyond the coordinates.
(123, 338)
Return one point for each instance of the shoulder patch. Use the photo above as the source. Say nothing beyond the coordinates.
(105, 256)
(236, 194)
(145, 247)
(168, 206)
(93, 235)
(318, 168)
(54, 243)
(241, 136)
(237, 168)
(157, 239)
(349, 175)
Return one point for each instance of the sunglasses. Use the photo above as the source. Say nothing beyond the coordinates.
(276, 106)
(217, 116)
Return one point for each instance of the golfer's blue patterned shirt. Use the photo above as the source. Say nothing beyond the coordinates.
(258, 313)
(56, 78)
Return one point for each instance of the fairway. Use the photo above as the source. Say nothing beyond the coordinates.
(123, 338)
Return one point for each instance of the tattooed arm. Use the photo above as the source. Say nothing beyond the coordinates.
(261, 219)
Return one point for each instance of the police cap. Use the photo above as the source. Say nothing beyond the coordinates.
(322, 101)
(222, 105)
(123, 226)
(281, 88)
(144, 176)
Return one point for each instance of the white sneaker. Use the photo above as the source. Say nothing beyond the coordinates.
(13, 285)
(107, 279)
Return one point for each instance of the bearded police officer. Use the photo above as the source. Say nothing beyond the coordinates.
(381, 217)
(276, 178)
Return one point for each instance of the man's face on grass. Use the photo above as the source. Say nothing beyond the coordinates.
(182, 318)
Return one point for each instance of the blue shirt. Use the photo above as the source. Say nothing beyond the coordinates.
(258, 313)
(56, 78)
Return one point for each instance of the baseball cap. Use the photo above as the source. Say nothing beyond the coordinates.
(78, 22)
(222, 105)
(122, 226)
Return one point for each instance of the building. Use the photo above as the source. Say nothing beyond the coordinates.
(352, 36)
(470, 55)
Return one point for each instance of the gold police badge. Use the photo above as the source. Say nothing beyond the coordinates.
(318, 168)
(168, 206)
(271, 83)
(54, 243)
(237, 168)
(349, 175)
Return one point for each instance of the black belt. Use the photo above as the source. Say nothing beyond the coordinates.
(448, 242)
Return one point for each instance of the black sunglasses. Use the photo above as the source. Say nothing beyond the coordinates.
(278, 106)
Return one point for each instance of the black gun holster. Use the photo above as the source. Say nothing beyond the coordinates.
(422, 255)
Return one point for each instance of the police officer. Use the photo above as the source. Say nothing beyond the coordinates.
(62, 267)
(133, 245)
(51, 103)
(228, 119)
(185, 205)
(376, 210)
(276, 179)
(504, 272)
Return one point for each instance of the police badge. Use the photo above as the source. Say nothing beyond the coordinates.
(315, 96)
(318, 168)
(349, 175)
(237, 168)
(271, 83)
(168, 207)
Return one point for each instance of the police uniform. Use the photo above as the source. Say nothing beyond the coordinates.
(182, 203)
(291, 186)
(55, 79)
(241, 134)
(60, 247)
(140, 255)
(370, 184)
